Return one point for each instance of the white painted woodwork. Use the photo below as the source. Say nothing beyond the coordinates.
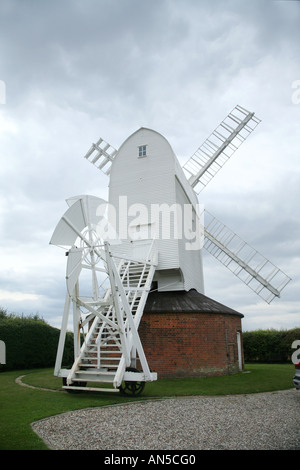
(153, 180)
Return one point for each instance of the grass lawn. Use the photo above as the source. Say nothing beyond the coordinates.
(20, 406)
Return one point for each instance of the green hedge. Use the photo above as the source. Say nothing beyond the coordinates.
(269, 345)
(31, 343)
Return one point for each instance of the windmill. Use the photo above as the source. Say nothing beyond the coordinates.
(149, 235)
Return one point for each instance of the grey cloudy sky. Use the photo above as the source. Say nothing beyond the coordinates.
(76, 70)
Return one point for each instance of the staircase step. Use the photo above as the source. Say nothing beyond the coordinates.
(95, 372)
(110, 366)
(106, 365)
(81, 376)
(82, 364)
(93, 360)
(108, 353)
(91, 389)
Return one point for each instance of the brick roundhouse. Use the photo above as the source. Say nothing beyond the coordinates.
(186, 334)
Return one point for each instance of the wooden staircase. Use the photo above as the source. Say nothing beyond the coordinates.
(110, 345)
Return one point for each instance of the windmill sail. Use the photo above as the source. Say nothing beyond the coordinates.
(243, 260)
(101, 154)
(219, 147)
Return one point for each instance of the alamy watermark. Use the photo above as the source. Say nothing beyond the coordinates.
(153, 221)
(296, 93)
(2, 352)
(2, 92)
(296, 354)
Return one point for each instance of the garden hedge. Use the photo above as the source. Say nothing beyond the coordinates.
(31, 343)
(268, 346)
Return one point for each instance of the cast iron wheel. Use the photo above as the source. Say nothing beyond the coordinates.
(130, 388)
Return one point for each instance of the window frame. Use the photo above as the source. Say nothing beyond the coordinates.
(142, 149)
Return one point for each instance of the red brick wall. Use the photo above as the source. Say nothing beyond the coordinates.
(190, 344)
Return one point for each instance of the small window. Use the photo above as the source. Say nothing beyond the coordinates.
(142, 151)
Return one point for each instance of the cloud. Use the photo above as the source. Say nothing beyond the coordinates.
(75, 71)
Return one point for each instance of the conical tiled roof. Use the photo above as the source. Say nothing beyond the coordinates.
(185, 302)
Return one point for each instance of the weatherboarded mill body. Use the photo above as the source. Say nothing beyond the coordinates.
(153, 318)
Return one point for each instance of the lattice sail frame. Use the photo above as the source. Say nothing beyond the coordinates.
(101, 154)
(219, 147)
(251, 267)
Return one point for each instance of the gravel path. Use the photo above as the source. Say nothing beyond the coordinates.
(264, 421)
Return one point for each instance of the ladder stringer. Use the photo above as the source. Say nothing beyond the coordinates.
(62, 336)
(133, 282)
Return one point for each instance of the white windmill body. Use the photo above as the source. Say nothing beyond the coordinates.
(155, 242)
(153, 199)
